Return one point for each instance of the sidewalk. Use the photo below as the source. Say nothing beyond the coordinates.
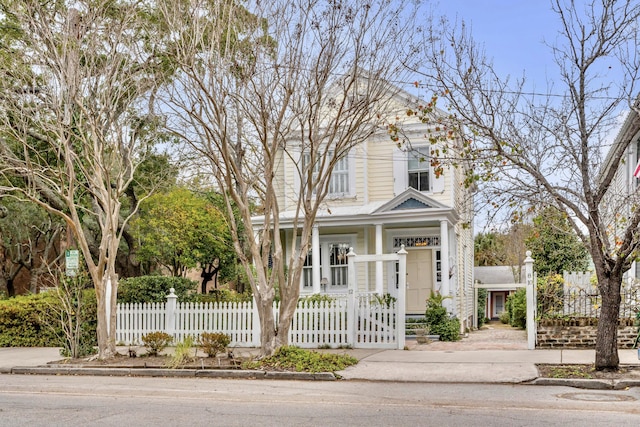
(417, 365)
(471, 366)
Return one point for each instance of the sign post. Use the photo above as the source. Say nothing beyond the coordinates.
(72, 262)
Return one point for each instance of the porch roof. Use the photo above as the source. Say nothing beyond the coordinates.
(410, 207)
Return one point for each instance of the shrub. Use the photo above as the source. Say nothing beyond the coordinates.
(155, 289)
(182, 354)
(317, 298)
(33, 321)
(504, 317)
(213, 343)
(386, 300)
(439, 321)
(155, 342)
(550, 294)
(517, 308)
(482, 306)
(291, 358)
(223, 295)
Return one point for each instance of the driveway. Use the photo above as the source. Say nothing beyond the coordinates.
(492, 336)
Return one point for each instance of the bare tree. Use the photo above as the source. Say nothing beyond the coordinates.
(550, 150)
(301, 80)
(73, 127)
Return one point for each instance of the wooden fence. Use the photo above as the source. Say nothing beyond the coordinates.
(365, 322)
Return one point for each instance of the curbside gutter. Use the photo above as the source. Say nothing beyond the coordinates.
(589, 384)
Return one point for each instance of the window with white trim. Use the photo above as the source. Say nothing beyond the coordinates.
(307, 272)
(334, 264)
(418, 168)
(340, 181)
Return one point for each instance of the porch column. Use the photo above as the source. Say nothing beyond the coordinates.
(444, 263)
(315, 259)
(379, 278)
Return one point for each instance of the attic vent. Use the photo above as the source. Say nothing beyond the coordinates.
(411, 203)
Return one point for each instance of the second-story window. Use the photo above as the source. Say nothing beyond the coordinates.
(339, 180)
(418, 168)
(339, 183)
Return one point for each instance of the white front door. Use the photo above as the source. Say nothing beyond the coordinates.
(419, 280)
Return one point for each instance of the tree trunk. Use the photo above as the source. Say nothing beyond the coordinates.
(268, 333)
(607, 337)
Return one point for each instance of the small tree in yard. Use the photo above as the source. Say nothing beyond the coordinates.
(179, 229)
(300, 80)
(537, 150)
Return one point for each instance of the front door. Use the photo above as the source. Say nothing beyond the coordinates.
(498, 304)
(419, 280)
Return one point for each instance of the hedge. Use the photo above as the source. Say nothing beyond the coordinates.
(30, 320)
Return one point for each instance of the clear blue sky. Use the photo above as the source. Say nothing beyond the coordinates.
(512, 32)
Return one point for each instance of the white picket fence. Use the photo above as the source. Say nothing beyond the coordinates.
(314, 324)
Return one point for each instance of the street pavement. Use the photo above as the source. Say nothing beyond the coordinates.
(495, 355)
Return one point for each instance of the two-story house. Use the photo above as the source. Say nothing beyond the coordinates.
(380, 198)
(623, 196)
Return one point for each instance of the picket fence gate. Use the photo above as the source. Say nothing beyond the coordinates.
(371, 324)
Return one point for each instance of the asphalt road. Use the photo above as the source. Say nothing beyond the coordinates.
(105, 401)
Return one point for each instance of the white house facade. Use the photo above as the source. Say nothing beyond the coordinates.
(380, 198)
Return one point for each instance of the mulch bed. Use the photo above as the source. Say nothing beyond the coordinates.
(221, 361)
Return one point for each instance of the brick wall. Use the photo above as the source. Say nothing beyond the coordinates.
(581, 333)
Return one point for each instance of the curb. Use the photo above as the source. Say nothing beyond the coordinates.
(162, 372)
(589, 384)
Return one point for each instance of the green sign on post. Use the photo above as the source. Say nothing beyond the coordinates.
(72, 262)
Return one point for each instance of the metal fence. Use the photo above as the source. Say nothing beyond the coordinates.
(577, 302)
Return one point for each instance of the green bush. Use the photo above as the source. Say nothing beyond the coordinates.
(291, 358)
(316, 298)
(182, 354)
(33, 321)
(155, 289)
(213, 343)
(517, 308)
(504, 317)
(223, 295)
(550, 295)
(482, 306)
(439, 321)
(155, 342)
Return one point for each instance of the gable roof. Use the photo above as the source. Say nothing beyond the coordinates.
(495, 275)
(408, 200)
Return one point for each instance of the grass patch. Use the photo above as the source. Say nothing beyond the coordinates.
(571, 371)
(291, 358)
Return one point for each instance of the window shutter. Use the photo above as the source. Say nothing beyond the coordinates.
(437, 185)
(400, 172)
